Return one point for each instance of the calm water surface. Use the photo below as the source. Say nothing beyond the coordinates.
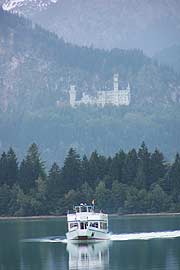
(17, 251)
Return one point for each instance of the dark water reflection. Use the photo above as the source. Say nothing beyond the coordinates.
(89, 256)
(157, 254)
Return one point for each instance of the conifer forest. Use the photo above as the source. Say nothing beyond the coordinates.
(138, 181)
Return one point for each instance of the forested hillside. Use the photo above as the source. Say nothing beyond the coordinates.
(170, 57)
(133, 182)
(36, 69)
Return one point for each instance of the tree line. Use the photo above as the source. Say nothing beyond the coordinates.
(134, 182)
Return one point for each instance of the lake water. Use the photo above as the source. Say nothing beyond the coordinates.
(141, 243)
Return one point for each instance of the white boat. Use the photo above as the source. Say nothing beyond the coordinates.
(85, 224)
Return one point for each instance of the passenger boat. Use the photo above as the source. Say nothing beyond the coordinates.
(85, 224)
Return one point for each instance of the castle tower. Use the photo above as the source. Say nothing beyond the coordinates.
(72, 96)
(128, 87)
(129, 94)
(116, 83)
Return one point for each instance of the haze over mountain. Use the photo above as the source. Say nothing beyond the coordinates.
(170, 57)
(149, 25)
(36, 70)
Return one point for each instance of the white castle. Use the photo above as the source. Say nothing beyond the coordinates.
(115, 97)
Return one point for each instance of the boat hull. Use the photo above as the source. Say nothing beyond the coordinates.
(87, 235)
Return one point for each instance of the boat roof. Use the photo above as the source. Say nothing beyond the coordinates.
(83, 207)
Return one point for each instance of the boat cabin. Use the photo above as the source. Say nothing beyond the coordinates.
(83, 208)
(84, 218)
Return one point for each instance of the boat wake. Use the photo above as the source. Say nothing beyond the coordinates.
(145, 236)
(115, 237)
(53, 239)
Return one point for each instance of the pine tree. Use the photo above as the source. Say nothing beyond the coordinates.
(117, 164)
(174, 177)
(158, 167)
(12, 166)
(85, 167)
(5, 198)
(118, 195)
(97, 168)
(8, 168)
(30, 169)
(3, 168)
(130, 167)
(55, 187)
(71, 171)
(143, 171)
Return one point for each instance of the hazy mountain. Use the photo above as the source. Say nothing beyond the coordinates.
(36, 69)
(149, 25)
(170, 56)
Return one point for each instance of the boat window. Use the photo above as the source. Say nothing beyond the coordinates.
(83, 209)
(103, 225)
(83, 225)
(73, 224)
(90, 209)
(94, 224)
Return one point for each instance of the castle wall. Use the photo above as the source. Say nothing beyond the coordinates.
(115, 97)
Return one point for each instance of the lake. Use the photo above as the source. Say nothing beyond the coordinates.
(139, 242)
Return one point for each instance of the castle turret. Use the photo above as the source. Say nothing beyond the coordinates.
(128, 87)
(116, 83)
(72, 96)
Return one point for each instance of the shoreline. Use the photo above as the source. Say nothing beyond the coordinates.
(32, 217)
(63, 216)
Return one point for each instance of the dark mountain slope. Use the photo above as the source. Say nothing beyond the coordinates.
(170, 57)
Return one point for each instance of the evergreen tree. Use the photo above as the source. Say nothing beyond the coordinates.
(119, 191)
(103, 196)
(131, 203)
(140, 181)
(12, 166)
(24, 202)
(174, 178)
(117, 164)
(85, 168)
(130, 167)
(30, 169)
(71, 171)
(38, 197)
(143, 171)
(8, 168)
(13, 203)
(55, 187)
(87, 193)
(97, 166)
(5, 198)
(72, 198)
(3, 168)
(157, 167)
(159, 200)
